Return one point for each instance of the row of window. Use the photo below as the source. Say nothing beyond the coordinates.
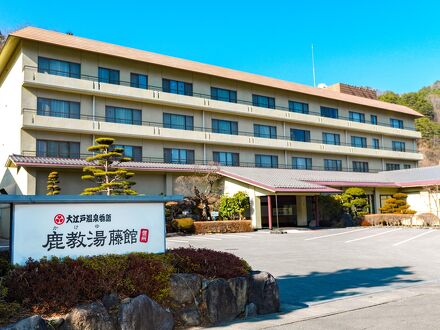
(47, 148)
(137, 80)
(57, 108)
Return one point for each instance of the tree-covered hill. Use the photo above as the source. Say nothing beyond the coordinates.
(427, 102)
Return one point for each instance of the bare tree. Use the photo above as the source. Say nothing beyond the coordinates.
(204, 189)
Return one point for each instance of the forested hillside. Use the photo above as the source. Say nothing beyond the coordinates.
(427, 102)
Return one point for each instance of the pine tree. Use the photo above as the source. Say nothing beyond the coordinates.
(110, 179)
(397, 205)
(52, 184)
(355, 201)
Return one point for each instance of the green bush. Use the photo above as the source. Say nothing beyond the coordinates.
(234, 207)
(355, 201)
(185, 225)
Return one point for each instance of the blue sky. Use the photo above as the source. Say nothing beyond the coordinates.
(389, 45)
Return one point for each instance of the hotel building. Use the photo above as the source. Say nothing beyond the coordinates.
(59, 92)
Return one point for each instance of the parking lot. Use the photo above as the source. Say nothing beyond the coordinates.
(318, 266)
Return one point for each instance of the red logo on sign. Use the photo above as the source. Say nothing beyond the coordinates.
(143, 236)
(59, 219)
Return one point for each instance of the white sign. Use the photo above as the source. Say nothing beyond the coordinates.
(81, 229)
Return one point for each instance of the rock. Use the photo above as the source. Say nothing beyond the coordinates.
(239, 287)
(185, 289)
(110, 300)
(92, 316)
(219, 301)
(190, 318)
(250, 310)
(144, 313)
(56, 323)
(35, 322)
(264, 293)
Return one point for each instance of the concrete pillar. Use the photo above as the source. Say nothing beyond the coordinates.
(269, 210)
(256, 212)
(168, 184)
(301, 211)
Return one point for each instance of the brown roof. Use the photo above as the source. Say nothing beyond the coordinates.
(62, 39)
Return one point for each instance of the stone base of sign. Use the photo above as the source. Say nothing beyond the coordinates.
(195, 301)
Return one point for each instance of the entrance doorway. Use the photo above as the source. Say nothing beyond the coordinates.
(286, 211)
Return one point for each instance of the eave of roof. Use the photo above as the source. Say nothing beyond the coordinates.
(64, 40)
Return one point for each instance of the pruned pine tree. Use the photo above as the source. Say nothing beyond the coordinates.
(397, 205)
(52, 184)
(110, 179)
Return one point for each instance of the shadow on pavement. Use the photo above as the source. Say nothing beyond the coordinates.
(300, 290)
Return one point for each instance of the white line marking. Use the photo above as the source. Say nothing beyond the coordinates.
(2, 246)
(233, 235)
(176, 241)
(417, 236)
(208, 238)
(345, 232)
(378, 234)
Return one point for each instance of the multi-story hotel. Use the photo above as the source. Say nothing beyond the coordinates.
(59, 92)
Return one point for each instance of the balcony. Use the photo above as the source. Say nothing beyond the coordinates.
(155, 131)
(89, 85)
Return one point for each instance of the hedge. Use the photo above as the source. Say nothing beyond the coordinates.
(56, 285)
(222, 226)
(387, 219)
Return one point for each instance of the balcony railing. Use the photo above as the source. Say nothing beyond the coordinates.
(208, 96)
(210, 130)
(161, 160)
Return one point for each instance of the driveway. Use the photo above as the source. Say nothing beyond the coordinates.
(336, 270)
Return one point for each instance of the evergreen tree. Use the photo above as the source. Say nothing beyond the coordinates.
(105, 172)
(355, 201)
(52, 184)
(397, 205)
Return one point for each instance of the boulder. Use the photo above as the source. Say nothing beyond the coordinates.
(144, 313)
(92, 316)
(185, 289)
(110, 300)
(219, 301)
(250, 310)
(35, 322)
(239, 287)
(264, 292)
(189, 317)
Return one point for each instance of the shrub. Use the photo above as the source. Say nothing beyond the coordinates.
(330, 211)
(355, 201)
(209, 263)
(429, 219)
(222, 226)
(234, 207)
(387, 219)
(55, 285)
(185, 225)
(397, 205)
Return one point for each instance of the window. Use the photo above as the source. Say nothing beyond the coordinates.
(177, 87)
(392, 167)
(139, 80)
(133, 152)
(226, 158)
(332, 165)
(396, 123)
(171, 120)
(375, 143)
(178, 156)
(406, 166)
(398, 146)
(299, 135)
(357, 117)
(265, 131)
(59, 68)
(123, 115)
(263, 101)
(329, 112)
(61, 149)
(360, 166)
(302, 163)
(373, 119)
(57, 108)
(358, 142)
(330, 138)
(298, 107)
(108, 76)
(223, 95)
(266, 161)
(224, 127)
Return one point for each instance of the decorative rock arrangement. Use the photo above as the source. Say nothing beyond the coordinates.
(195, 301)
